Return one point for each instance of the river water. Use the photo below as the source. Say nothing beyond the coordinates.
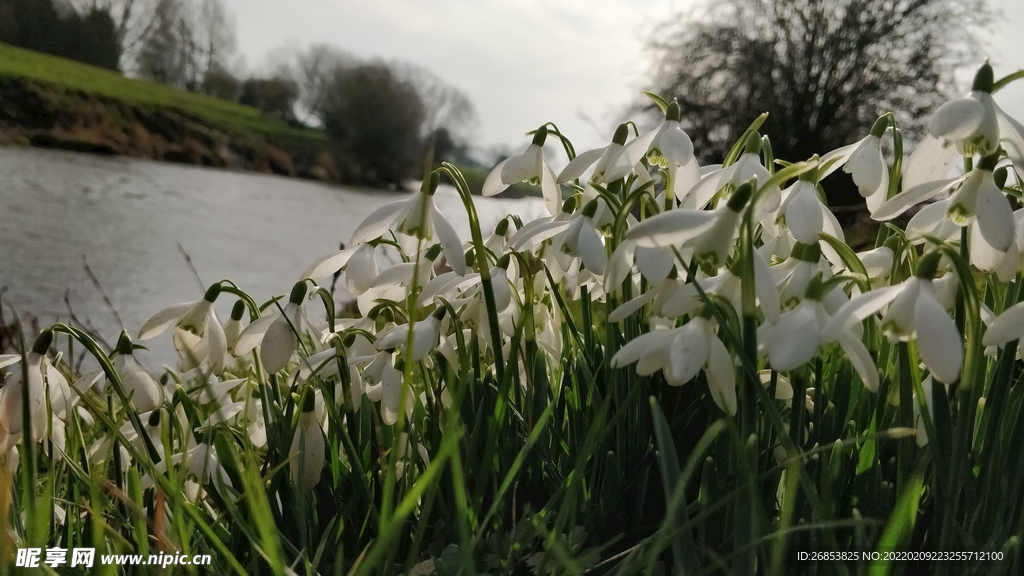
(125, 219)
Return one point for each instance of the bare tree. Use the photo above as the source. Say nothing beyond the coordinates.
(313, 70)
(186, 41)
(444, 105)
(822, 70)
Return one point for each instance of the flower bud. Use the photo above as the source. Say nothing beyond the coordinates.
(878, 128)
(124, 344)
(212, 292)
(43, 341)
(540, 136)
(298, 292)
(433, 252)
(238, 310)
(740, 197)
(621, 133)
(429, 185)
(673, 113)
(928, 265)
(983, 79)
(502, 228)
(753, 144)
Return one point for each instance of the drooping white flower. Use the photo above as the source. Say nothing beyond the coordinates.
(275, 332)
(425, 335)
(600, 159)
(307, 453)
(667, 146)
(970, 122)
(198, 335)
(145, 393)
(417, 217)
(746, 168)
(12, 415)
(915, 312)
(863, 161)
(681, 353)
(529, 166)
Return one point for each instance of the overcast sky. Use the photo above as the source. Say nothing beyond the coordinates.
(577, 63)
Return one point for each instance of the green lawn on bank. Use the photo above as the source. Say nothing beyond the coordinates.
(57, 71)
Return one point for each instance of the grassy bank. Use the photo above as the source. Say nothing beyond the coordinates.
(75, 76)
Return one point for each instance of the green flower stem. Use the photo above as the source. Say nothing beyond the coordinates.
(484, 267)
(905, 461)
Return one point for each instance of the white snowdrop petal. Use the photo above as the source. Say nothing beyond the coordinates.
(591, 249)
(521, 166)
(931, 160)
(721, 375)
(995, 217)
(578, 165)
(493, 183)
(794, 339)
(857, 309)
(633, 350)
(620, 264)
(938, 341)
(327, 265)
(164, 319)
(838, 157)
(253, 334)
(687, 353)
(631, 153)
(551, 191)
(861, 359)
(280, 340)
(451, 244)
(379, 221)
(1007, 326)
(803, 214)
(676, 145)
(956, 119)
(671, 228)
(899, 203)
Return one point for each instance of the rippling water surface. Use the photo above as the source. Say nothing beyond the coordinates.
(125, 218)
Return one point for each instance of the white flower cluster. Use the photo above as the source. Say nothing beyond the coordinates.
(684, 258)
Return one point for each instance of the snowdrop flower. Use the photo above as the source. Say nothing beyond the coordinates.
(386, 387)
(275, 332)
(746, 168)
(600, 158)
(863, 161)
(581, 239)
(667, 146)
(1006, 327)
(970, 122)
(307, 453)
(12, 414)
(416, 216)
(425, 335)
(681, 353)
(198, 333)
(204, 464)
(800, 332)
(234, 326)
(915, 312)
(145, 393)
(802, 210)
(529, 166)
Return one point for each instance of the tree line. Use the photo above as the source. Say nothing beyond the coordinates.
(381, 117)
